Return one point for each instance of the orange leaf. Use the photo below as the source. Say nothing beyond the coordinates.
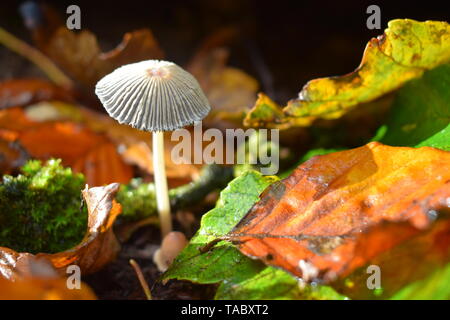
(92, 154)
(340, 211)
(43, 289)
(14, 93)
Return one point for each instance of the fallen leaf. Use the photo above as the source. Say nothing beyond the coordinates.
(230, 91)
(84, 139)
(341, 211)
(92, 154)
(239, 276)
(88, 152)
(12, 156)
(406, 50)
(40, 281)
(98, 247)
(79, 54)
(22, 92)
(42, 289)
(136, 146)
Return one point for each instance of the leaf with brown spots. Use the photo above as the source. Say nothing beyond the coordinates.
(339, 212)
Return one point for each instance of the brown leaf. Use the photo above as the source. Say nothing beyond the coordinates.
(98, 247)
(79, 54)
(230, 91)
(338, 212)
(22, 92)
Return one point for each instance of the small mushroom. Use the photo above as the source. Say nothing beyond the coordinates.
(172, 244)
(154, 96)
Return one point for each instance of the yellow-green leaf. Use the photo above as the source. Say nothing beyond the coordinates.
(407, 49)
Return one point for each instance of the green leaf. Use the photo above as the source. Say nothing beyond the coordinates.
(407, 49)
(420, 115)
(275, 284)
(239, 277)
(223, 262)
(434, 287)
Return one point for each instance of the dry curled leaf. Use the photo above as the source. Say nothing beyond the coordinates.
(337, 212)
(98, 247)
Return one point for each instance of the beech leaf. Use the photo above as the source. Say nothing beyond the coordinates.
(407, 49)
(341, 211)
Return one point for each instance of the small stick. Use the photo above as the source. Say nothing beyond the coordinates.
(36, 57)
(141, 279)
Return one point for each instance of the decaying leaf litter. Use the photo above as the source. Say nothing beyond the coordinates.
(309, 236)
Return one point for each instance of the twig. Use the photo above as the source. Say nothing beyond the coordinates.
(36, 57)
(141, 278)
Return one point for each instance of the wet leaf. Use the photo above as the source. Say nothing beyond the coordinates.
(406, 50)
(338, 212)
(98, 247)
(239, 276)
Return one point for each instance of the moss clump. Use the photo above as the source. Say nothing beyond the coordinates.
(40, 208)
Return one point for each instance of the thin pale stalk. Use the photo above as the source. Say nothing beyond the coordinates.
(162, 192)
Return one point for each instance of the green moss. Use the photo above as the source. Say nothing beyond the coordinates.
(40, 208)
(138, 199)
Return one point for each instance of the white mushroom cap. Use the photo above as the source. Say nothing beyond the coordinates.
(153, 95)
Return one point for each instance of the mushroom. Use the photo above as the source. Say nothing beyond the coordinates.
(173, 243)
(156, 96)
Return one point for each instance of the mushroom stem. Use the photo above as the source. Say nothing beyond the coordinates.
(162, 192)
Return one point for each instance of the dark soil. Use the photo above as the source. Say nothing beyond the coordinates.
(118, 280)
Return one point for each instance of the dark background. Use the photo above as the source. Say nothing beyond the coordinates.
(282, 43)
